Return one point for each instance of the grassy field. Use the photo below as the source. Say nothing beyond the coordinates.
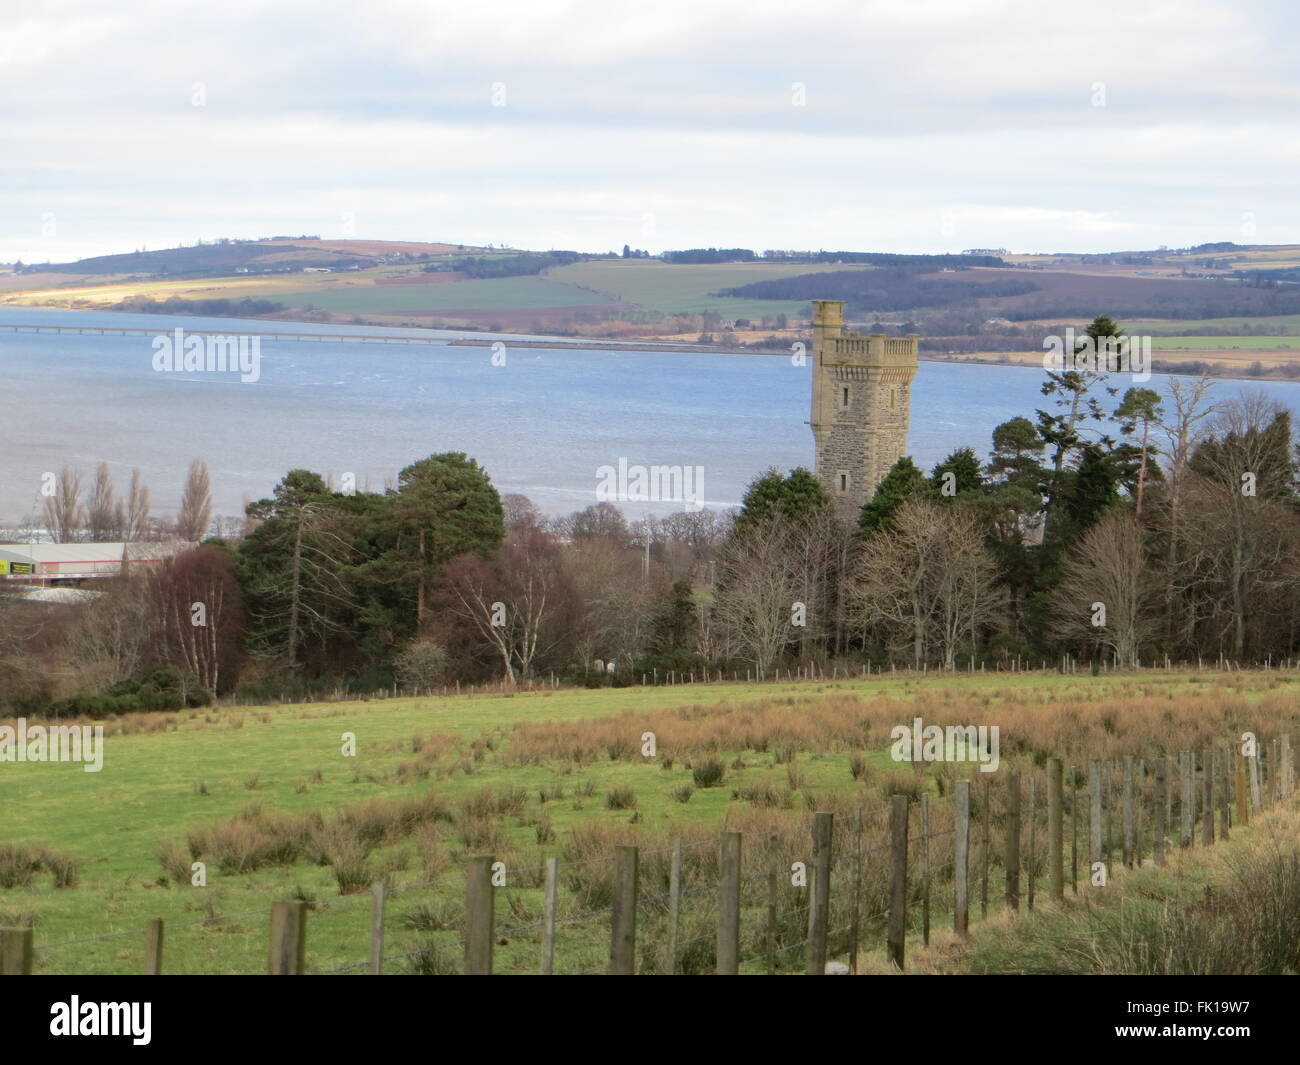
(687, 287)
(1272, 324)
(1243, 343)
(504, 293)
(347, 293)
(269, 802)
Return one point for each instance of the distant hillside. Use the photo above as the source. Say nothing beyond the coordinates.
(1224, 303)
(278, 255)
(869, 291)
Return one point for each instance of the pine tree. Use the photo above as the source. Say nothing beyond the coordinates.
(904, 481)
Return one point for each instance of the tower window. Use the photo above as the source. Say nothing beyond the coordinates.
(844, 482)
(844, 402)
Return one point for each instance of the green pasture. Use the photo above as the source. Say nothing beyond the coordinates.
(1272, 326)
(1244, 343)
(288, 759)
(506, 293)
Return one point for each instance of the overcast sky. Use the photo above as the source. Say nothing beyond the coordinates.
(894, 125)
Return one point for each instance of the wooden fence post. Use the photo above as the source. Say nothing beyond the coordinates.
(16, 952)
(1094, 814)
(548, 916)
(1108, 813)
(1225, 801)
(961, 857)
(1169, 792)
(1130, 829)
(925, 869)
(1139, 809)
(1288, 767)
(1031, 872)
(985, 843)
(1207, 798)
(855, 922)
(819, 906)
(1012, 859)
(379, 893)
(1283, 766)
(728, 960)
(480, 906)
(1054, 836)
(153, 947)
(1161, 826)
(1186, 798)
(1253, 766)
(1243, 812)
(773, 872)
(1074, 830)
(897, 939)
(622, 945)
(288, 938)
(674, 905)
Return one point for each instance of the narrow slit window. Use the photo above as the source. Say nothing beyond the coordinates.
(845, 400)
(844, 482)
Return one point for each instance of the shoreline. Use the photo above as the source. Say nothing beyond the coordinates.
(1222, 370)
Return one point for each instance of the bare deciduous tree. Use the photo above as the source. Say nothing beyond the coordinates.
(64, 513)
(1237, 517)
(510, 600)
(929, 581)
(105, 514)
(198, 605)
(760, 581)
(136, 524)
(1106, 595)
(195, 516)
(115, 634)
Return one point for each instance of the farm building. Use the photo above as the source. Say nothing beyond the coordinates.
(71, 564)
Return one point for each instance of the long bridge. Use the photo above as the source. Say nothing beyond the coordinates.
(373, 338)
(116, 330)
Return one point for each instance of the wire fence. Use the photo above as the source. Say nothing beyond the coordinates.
(794, 899)
(813, 671)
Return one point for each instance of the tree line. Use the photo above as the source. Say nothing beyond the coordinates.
(1115, 527)
(77, 510)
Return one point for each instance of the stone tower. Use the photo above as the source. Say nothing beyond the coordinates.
(861, 396)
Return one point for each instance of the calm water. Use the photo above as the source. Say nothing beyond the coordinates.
(542, 424)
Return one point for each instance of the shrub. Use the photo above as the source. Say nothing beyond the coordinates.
(709, 773)
(902, 783)
(439, 916)
(759, 795)
(433, 855)
(421, 664)
(19, 866)
(252, 840)
(620, 798)
(341, 847)
(545, 831)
